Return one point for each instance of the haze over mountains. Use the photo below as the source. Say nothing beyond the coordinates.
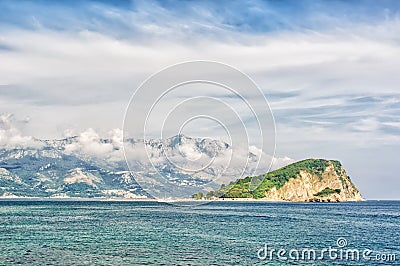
(90, 166)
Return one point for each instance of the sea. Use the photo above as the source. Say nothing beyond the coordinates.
(85, 232)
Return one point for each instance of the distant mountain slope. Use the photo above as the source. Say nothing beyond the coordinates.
(307, 180)
(49, 172)
(89, 166)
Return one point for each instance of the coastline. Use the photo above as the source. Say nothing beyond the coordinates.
(74, 199)
(268, 200)
(18, 198)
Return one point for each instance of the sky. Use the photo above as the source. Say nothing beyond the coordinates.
(329, 70)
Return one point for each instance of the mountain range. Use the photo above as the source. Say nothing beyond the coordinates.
(89, 166)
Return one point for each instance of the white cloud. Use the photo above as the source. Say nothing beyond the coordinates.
(313, 76)
(368, 125)
(94, 70)
(11, 137)
(89, 143)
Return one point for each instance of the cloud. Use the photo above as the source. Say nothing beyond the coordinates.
(11, 137)
(319, 76)
(89, 143)
(329, 69)
(356, 56)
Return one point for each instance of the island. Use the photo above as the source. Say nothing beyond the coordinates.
(310, 180)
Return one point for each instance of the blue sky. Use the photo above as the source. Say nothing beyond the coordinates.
(124, 18)
(328, 68)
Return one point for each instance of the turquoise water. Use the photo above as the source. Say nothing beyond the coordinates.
(220, 233)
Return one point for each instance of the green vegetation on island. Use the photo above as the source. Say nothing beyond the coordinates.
(327, 191)
(242, 187)
(198, 196)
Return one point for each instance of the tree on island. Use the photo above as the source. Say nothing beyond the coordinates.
(198, 196)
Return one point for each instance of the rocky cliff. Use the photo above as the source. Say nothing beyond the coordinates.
(311, 180)
(331, 187)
